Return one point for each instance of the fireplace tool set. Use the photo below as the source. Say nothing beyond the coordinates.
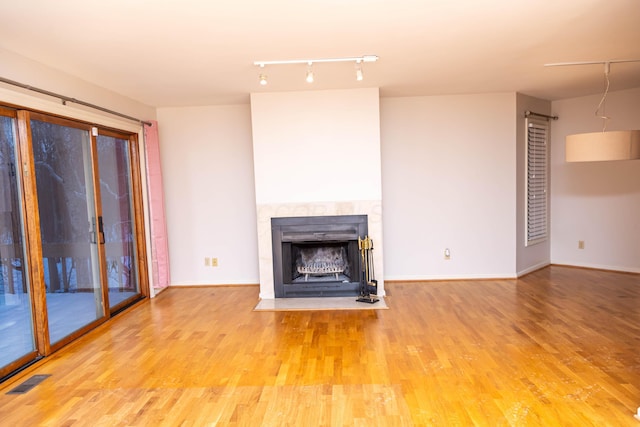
(368, 284)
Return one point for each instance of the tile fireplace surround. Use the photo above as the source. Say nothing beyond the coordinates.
(265, 212)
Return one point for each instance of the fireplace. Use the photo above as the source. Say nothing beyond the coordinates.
(317, 255)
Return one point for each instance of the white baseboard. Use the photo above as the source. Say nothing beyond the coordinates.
(533, 268)
(229, 283)
(621, 269)
(436, 277)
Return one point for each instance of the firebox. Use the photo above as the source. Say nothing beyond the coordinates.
(317, 255)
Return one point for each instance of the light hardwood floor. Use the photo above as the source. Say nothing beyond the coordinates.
(559, 347)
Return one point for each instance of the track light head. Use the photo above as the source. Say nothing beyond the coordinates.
(309, 73)
(358, 71)
(262, 76)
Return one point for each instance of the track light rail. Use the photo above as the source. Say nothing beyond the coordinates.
(364, 58)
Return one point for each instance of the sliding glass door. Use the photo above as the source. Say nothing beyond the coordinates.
(71, 231)
(69, 226)
(116, 191)
(16, 325)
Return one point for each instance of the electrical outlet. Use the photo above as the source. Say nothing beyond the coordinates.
(580, 244)
(447, 254)
(214, 262)
(207, 261)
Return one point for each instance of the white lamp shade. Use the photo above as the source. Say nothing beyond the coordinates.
(602, 146)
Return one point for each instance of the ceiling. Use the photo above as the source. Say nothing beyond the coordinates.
(201, 52)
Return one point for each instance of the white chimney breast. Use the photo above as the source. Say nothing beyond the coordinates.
(316, 153)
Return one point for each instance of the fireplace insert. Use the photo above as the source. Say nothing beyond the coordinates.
(318, 255)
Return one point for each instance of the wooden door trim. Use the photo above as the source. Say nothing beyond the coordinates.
(32, 241)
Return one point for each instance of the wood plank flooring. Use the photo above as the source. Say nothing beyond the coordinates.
(559, 347)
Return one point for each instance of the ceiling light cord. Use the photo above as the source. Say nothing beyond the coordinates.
(607, 70)
(602, 104)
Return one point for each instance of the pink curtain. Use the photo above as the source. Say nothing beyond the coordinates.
(158, 226)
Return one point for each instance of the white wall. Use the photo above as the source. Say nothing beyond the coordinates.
(449, 165)
(598, 202)
(448, 181)
(207, 166)
(528, 258)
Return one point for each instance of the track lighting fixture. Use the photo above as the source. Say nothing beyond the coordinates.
(310, 75)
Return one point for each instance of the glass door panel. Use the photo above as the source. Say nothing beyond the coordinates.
(117, 218)
(68, 227)
(16, 325)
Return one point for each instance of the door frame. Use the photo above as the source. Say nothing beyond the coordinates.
(32, 231)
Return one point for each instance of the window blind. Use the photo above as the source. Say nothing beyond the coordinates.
(537, 180)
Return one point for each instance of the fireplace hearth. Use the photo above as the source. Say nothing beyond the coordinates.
(317, 256)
